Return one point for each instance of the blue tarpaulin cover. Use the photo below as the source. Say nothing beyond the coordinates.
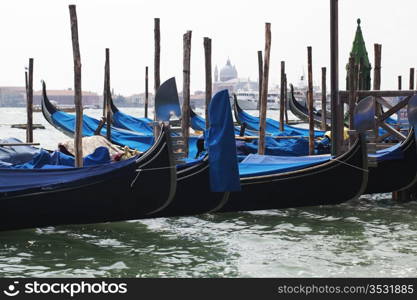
(256, 165)
(272, 126)
(134, 140)
(56, 159)
(12, 155)
(122, 120)
(224, 174)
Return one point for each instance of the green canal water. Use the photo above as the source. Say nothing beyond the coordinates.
(371, 237)
(367, 237)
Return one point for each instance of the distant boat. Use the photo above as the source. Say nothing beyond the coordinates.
(248, 99)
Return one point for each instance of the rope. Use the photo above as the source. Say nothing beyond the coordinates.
(355, 167)
(150, 169)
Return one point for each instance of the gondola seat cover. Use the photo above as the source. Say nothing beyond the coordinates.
(221, 144)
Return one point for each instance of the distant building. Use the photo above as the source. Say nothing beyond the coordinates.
(228, 78)
(66, 98)
(139, 100)
(12, 96)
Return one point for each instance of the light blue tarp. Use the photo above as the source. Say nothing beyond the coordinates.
(124, 137)
(134, 140)
(124, 121)
(12, 155)
(224, 174)
(257, 165)
(56, 160)
(272, 126)
(199, 123)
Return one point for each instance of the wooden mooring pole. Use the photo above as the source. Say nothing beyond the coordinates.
(352, 94)
(157, 56)
(310, 102)
(337, 112)
(77, 89)
(260, 75)
(209, 83)
(411, 78)
(264, 91)
(377, 67)
(185, 120)
(323, 99)
(281, 98)
(146, 91)
(157, 61)
(107, 94)
(29, 103)
(286, 98)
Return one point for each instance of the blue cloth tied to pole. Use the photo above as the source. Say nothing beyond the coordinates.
(221, 144)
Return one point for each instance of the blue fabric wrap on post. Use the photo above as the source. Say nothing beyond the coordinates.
(224, 172)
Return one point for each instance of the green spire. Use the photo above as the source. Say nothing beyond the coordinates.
(359, 53)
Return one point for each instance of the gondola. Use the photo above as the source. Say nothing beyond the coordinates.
(129, 189)
(272, 126)
(301, 111)
(125, 121)
(65, 122)
(275, 186)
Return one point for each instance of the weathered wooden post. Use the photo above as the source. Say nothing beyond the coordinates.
(185, 120)
(29, 103)
(411, 78)
(260, 75)
(107, 95)
(310, 102)
(337, 113)
(157, 61)
(157, 57)
(377, 67)
(264, 91)
(399, 83)
(282, 99)
(286, 98)
(352, 94)
(207, 55)
(323, 99)
(77, 89)
(146, 91)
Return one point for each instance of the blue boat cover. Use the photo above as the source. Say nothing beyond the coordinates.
(257, 165)
(199, 123)
(124, 137)
(272, 126)
(124, 121)
(224, 174)
(134, 140)
(12, 155)
(28, 179)
(56, 160)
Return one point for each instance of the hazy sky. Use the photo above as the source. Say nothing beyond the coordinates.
(41, 29)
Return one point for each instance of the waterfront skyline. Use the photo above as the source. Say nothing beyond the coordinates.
(41, 29)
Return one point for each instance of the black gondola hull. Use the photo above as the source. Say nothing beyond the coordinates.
(122, 194)
(329, 183)
(395, 174)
